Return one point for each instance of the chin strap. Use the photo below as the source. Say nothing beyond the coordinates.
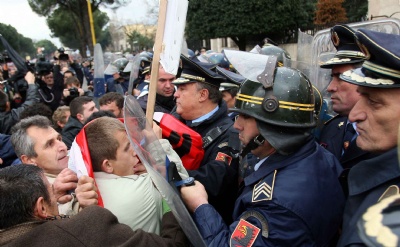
(253, 144)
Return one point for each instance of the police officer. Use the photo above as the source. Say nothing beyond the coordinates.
(199, 105)
(377, 116)
(229, 87)
(338, 135)
(120, 81)
(293, 197)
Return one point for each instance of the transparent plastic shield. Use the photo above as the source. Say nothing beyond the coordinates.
(98, 80)
(133, 67)
(249, 65)
(322, 45)
(149, 150)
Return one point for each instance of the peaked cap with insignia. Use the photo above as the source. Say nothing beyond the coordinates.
(193, 71)
(232, 80)
(382, 66)
(347, 50)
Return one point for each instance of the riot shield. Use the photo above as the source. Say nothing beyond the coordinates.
(133, 67)
(322, 49)
(249, 65)
(153, 157)
(98, 80)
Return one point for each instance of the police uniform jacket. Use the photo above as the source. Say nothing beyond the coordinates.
(368, 181)
(292, 200)
(332, 139)
(218, 171)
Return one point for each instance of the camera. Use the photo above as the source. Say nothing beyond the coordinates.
(63, 56)
(4, 58)
(73, 92)
(43, 67)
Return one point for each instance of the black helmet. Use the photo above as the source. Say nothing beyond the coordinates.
(281, 100)
(288, 103)
(283, 57)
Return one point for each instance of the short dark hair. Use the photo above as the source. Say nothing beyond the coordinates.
(3, 101)
(37, 109)
(98, 114)
(72, 81)
(76, 105)
(20, 188)
(104, 127)
(111, 97)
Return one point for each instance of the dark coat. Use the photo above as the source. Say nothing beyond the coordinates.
(70, 130)
(368, 180)
(7, 153)
(52, 96)
(10, 118)
(218, 171)
(96, 226)
(163, 104)
(292, 200)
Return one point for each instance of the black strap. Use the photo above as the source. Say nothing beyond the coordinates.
(214, 133)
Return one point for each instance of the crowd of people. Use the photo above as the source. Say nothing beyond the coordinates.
(262, 177)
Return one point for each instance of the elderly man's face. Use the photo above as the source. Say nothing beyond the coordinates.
(377, 114)
(187, 100)
(50, 149)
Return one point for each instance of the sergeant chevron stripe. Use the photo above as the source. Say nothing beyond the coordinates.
(264, 189)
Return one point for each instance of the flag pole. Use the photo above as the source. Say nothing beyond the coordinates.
(158, 47)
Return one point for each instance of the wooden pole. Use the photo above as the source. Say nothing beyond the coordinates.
(158, 47)
(91, 22)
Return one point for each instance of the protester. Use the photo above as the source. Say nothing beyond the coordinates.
(81, 108)
(113, 102)
(36, 143)
(164, 93)
(9, 117)
(29, 217)
(60, 117)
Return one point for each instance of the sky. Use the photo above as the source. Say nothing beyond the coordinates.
(18, 14)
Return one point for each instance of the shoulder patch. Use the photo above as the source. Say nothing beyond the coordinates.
(260, 218)
(224, 157)
(264, 189)
(223, 144)
(331, 119)
(244, 235)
